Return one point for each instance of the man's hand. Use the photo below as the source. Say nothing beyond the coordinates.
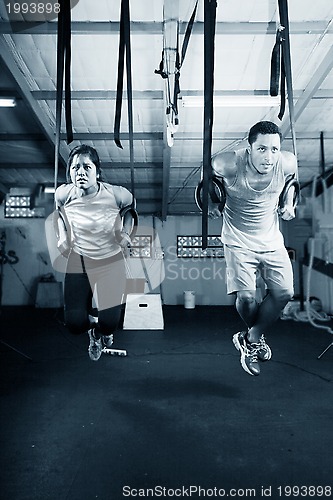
(213, 210)
(287, 212)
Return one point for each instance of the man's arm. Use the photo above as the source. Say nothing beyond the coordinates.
(289, 165)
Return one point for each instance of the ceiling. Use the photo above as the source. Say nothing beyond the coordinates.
(165, 175)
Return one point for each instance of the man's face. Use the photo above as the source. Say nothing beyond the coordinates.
(265, 152)
(83, 172)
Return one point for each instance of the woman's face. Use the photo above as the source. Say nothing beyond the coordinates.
(83, 173)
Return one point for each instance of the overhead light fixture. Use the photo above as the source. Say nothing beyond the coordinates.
(7, 102)
(230, 101)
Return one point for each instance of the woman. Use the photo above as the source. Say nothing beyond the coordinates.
(95, 267)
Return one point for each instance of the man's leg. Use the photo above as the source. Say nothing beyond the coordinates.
(268, 312)
(247, 306)
(278, 275)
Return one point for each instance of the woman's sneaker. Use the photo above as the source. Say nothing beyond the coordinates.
(264, 351)
(107, 341)
(95, 346)
(249, 353)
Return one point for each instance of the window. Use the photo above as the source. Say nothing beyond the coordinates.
(141, 246)
(18, 206)
(191, 246)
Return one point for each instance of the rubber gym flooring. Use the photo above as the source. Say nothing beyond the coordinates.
(177, 418)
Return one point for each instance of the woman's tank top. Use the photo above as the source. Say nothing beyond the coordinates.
(92, 221)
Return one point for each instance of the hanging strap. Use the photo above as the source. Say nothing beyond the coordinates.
(63, 67)
(120, 80)
(125, 49)
(209, 45)
(163, 71)
(180, 60)
(281, 58)
(278, 75)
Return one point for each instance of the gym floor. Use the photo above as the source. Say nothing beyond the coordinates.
(177, 413)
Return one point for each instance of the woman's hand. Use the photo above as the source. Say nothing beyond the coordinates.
(63, 247)
(125, 239)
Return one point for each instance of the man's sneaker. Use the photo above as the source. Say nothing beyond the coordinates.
(249, 353)
(107, 341)
(95, 346)
(264, 351)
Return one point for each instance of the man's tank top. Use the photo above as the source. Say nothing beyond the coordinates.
(250, 217)
(92, 221)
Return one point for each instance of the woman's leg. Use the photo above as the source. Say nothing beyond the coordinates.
(77, 300)
(110, 287)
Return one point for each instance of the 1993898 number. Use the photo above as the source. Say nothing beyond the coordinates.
(32, 8)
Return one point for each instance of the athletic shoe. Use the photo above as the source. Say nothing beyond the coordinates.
(264, 351)
(95, 346)
(107, 341)
(249, 353)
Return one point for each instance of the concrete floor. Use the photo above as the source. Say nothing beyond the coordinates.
(177, 413)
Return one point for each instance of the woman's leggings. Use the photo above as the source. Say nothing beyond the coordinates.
(105, 279)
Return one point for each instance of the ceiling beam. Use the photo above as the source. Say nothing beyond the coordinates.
(156, 28)
(107, 95)
(90, 95)
(154, 136)
(100, 136)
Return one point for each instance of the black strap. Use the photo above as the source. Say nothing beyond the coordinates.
(68, 55)
(63, 67)
(281, 58)
(278, 74)
(276, 64)
(209, 45)
(125, 49)
(283, 11)
(283, 89)
(322, 155)
(121, 60)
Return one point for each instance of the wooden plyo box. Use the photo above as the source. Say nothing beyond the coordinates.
(143, 312)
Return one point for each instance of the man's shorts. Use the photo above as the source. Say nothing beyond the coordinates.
(243, 266)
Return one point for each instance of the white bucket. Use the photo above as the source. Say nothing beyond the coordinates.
(189, 299)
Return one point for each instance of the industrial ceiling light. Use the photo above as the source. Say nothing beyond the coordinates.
(233, 101)
(7, 102)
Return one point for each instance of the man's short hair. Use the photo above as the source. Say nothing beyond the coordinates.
(264, 128)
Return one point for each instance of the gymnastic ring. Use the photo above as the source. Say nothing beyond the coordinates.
(291, 182)
(216, 193)
(135, 221)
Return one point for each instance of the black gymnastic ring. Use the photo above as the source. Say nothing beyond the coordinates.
(291, 182)
(220, 198)
(135, 222)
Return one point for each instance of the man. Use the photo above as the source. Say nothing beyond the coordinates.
(253, 179)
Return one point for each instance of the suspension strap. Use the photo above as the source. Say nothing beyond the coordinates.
(125, 49)
(63, 68)
(209, 46)
(180, 60)
(120, 80)
(281, 58)
(164, 70)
